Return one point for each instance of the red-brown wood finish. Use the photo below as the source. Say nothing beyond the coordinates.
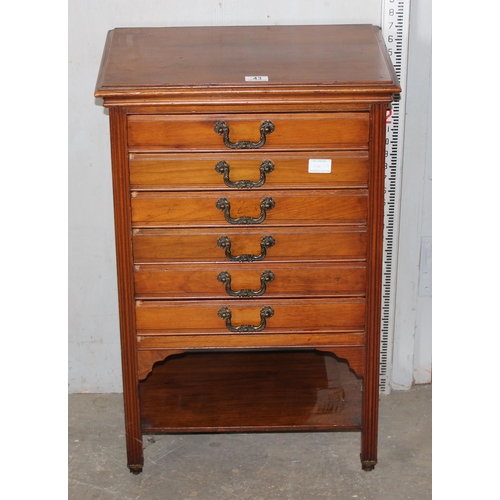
(325, 243)
(320, 131)
(118, 122)
(302, 251)
(369, 437)
(292, 390)
(171, 172)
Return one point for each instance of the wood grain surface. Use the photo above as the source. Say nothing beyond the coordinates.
(263, 391)
(174, 172)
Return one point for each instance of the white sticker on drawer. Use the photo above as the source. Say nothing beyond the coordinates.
(320, 166)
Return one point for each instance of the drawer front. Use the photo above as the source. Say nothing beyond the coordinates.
(291, 131)
(286, 316)
(235, 171)
(248, 244)
(238, 208)
(247, 281)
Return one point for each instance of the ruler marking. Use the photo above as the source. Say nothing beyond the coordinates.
(394, 30)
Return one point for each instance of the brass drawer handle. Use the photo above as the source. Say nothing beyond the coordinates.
(266, 167)
(225, 243)
(224, 206)
(221, 128)
(265, 313)
(265, 278)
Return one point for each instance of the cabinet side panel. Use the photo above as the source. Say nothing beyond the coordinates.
(118, 124)
(374, 288)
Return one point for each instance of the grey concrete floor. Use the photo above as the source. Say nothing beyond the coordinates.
(309, 466)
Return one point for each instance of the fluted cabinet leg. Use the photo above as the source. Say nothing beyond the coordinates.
(124, 262)
(369, 432)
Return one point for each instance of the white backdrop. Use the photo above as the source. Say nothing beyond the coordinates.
(94, 353)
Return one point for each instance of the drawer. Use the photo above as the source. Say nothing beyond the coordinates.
(247, 281)
(157, 209)
(154, 171)
(238, 316)
(249, 244)
(290, 131)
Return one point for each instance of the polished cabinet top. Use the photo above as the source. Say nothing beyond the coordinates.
(146, 60)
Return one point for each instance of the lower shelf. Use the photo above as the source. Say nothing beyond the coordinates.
(250, 391)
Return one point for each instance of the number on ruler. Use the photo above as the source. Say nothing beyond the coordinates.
(394, 22)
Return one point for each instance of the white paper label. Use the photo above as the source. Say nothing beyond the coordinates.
(256, 78)
(320, 166)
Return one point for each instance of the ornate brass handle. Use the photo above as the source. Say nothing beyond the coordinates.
(225, 243)
(265, 278)
(265, 313)
(224, 206)
(221, 128)
(266, 167)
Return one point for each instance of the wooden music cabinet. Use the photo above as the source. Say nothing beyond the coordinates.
(248, 182)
